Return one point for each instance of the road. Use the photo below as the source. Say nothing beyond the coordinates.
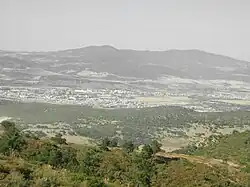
(199, 159)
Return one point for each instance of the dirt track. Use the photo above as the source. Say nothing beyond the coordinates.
(199, 159)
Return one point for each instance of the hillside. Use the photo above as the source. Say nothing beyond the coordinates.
(106, 77)
(232, 148)
(140, 125)
(192, 64)
(29, 161)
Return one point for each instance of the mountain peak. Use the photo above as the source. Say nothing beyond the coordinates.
(101, 47)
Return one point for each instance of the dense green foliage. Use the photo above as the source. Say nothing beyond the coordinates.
(11, 139)
(34, 162)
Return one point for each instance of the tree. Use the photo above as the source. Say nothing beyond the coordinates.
(11, 139)
(58, 139)
(114, 142)
(156, 146)
(95, 182)
(143, 167)
(69, 158)
(147, 151)
(247, 141)
(105, 144)
(128, 146)
(55, 158)
(91, 162)
(9, 127)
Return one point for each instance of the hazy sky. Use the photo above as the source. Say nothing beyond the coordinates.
(220, 26)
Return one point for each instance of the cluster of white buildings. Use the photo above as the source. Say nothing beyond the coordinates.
(103, 98)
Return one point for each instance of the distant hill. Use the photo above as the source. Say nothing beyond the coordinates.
(192, 64)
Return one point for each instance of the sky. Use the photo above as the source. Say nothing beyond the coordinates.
(217, 26)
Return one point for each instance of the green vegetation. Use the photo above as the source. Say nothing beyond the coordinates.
(29, 161)
(234, 147)
(139, 125)
(11, 139)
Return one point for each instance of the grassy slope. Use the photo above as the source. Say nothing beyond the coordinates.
(233, 147)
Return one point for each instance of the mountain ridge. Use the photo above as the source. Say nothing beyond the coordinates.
(123, 49)
(187, 64)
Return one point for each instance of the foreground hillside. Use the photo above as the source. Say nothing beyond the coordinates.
(231, 148)
(28, 161)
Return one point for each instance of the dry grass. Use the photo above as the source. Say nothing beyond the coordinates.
(237, 102)
(164, 100)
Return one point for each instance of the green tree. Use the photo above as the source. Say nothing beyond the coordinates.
(156, 146)
(114, 142)
(11, 140)
(55, 158)
(69, 158)
(9, 127)
(94, 182)
(147, 151)
(128, 146)
(90, 163)
(105, 144)
(59, 139)
(142, 169)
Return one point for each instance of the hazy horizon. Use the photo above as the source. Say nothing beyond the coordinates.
(215, 27)
(30, 51)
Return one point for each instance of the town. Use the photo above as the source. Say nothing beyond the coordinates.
(208, 101)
